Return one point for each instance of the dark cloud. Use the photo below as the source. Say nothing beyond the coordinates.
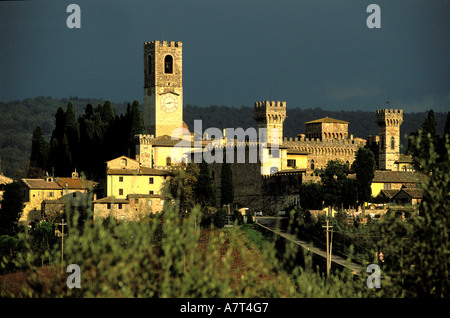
(309, 53)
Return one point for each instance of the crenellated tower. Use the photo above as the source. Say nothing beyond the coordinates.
(271, 115)
(144, 150)
(163, 87)
(389, 121)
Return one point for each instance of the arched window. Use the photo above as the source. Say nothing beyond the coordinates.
(123, 162)
(149, 64)
(168, 161)
(312, 164)
(392, 143)
(168, 64)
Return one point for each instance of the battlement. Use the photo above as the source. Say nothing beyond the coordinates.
(164, 43)
(270, 104)
(144, 139)
(327, 142)
(391, 117)
(389, 111)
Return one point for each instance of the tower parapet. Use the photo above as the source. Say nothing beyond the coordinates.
(270, 115)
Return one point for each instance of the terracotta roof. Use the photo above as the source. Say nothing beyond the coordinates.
(77, 183)
(326, 120)
(41, 184)
(382, 176)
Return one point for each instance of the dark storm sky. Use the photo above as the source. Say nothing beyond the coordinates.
(235, 52)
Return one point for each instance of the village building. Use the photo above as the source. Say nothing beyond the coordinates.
(53, 194)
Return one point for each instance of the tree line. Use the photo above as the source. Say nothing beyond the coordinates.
(86, 142)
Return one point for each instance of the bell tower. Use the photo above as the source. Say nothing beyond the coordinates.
(389, 121)
(163, 87)
(271, 115)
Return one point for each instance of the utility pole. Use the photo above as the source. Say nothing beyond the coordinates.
(328, 227)
(62, 242)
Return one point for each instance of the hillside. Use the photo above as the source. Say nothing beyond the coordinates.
(18, 119)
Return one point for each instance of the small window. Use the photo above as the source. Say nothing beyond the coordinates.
(168, 64)
(168, 161)
(120, 191)
(120, 206)
(291, 163)
(387, 185)
(120, 179)
(123, 162)
(312, 165)
(150, 180)
(51, 194)
(108, 206)
(149, 202)
(150, 192)
(74, 194)
(392, 143)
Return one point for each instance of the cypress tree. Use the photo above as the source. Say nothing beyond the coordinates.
(39, 153)
(136, 127)
(12, 207)
(226, 184)
(72, 132)
(205, 191)
(364, 166)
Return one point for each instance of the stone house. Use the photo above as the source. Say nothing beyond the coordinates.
(134, 207)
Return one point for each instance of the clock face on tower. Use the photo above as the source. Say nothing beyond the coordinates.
(169, 103)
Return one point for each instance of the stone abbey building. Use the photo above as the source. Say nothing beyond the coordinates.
(296, 159)
(266, 165)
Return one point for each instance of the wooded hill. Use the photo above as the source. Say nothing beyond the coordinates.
(18, 120)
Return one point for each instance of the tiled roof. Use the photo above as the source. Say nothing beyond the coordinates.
(382, 176)
(76, 183)
(404, 159)
(389, 193)
(142, 171)
(165, 140)
(415, 193)
(41, 184)
(326, 120)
